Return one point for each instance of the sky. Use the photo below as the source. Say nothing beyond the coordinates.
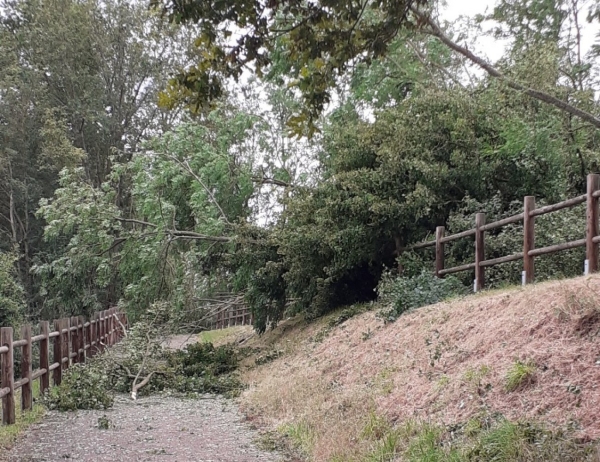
(492, 48)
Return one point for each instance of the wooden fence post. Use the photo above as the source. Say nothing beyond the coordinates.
(45, 356)
(66, 323)
(26, 389)
(75, 339)
(109, 328)
(528, 239)
(439, 250)
(58, 350)
(591, 230)
(106, 330)
(113, 326)
(92, 337)
(87, 347)
(7, 377)
(479, 252)
(81, 321)
(100, 331)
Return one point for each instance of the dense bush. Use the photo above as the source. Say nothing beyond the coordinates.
(204, 359)
(400, 294)
(82, 387)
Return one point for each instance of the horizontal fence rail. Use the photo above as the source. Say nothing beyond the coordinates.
(590, 242)
(72, 340)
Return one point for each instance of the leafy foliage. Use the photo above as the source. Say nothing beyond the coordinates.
(203, 358)
(12, 295)
(82, 387)
(400, 294)
(319, 42)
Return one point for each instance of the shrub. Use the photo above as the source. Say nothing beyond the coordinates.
(82, 387)
(200, 359)
(401, 294)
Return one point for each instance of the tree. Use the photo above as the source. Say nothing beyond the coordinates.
(78, 87)
(189, 193)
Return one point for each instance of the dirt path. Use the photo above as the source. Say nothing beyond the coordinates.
(153, 428)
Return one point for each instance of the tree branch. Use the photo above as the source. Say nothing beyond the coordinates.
(272, 181)
(491, 70)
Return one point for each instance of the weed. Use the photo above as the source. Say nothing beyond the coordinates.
(268, 357)
(443, 382)
(367, 335)
(474, 375)
(376, 427)
(520, 374)
(301, 434)
(387, 448)
(426, 445)
(385, 381)
(507, 441)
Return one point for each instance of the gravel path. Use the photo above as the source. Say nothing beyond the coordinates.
(152, 428)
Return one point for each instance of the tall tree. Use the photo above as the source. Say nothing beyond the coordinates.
(78, 86)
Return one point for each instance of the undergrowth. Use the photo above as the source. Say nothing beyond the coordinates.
(482, 439)
(23, 419)
(401, 294)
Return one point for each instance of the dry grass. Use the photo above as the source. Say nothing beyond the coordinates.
(445, 364)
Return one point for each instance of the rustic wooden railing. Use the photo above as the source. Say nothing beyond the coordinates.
(73, 340)
(225, 318)
(590, 242)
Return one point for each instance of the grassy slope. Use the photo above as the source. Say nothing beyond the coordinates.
(344, 393)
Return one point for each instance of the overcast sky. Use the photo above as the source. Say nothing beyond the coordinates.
(492, 48)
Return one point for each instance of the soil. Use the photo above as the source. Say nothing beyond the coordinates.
(155, 428)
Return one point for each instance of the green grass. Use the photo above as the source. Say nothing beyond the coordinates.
(211, 336)
(10, 433)
(301, 434)
(482, 439)
(519, 374)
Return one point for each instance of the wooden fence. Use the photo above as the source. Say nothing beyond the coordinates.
(73, 341)
(239, 316)
(590, 242)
